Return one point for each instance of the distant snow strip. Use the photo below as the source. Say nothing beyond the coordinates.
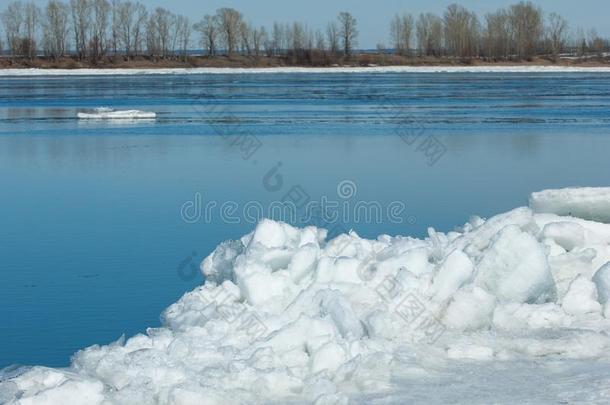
(488, 313)
(376, 69)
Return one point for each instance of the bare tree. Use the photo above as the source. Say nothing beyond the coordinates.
(320, 41)
(125, 25)
(139, 27)
(55, 28)
(12, 20)
(461, 31)
(429, 28)
(115, 26)
(298, 37)
(81, 21)
(258, 37)
(332, 35)
(557, 30)
(174, 33)
(277, 39)
(184, 34)
(596, 43)
(497, 36)
(348, 32)
(163, 23)
(401, 31)
(151, 37)
(131, 18)
(100, 14)
(244, 37)
(31, 22)
(229, 21)
(527, 28)
(208, 28)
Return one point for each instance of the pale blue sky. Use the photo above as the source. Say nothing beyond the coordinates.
(374, 15)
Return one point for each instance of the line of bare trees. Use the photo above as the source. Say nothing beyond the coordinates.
(227, 32)
(93, 29)
(520, 31)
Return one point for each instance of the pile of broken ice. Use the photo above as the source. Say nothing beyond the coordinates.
(287, 315)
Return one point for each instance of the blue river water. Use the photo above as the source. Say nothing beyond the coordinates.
(103, 223)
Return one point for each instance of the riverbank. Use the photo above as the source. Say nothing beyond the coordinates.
(244, 62)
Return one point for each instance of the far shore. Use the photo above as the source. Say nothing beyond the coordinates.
(273, 63)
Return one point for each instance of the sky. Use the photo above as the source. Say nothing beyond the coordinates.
(373, 16)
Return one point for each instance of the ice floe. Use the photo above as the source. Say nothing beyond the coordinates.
(586, 203)
(105, 113)
(518, 300)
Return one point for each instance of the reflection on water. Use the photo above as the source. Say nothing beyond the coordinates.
(91, 238)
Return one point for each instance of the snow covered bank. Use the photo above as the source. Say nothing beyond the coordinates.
(104, 113)
(376, 69)
(518, 300)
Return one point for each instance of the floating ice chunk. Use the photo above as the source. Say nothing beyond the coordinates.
(218, 266)
(339, 270)
(588, 202)
(335, 305)
(260, 287)
(273, 234)
(416, 261)
(581, 298)
(328, 357)
(568, 235)
(602, 282)
(300, 333)
(41, 385)
(104, 113)
(475, 241)
(303, 262)
(515, 268)
(471, 309)
(278, 384)
(515, 316)
(567, 266)
(382, 324)
(455, 270)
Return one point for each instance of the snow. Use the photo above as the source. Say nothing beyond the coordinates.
(520, 299)
(581, 298)
(104, 113)
(287, 70)
(585, 203)
(515, 268)
(602, 282)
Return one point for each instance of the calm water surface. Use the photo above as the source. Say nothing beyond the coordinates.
(92, 244)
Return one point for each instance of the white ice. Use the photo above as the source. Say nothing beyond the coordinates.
(105, 113)
(512, 309)
(586, 203)
(370, 69)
